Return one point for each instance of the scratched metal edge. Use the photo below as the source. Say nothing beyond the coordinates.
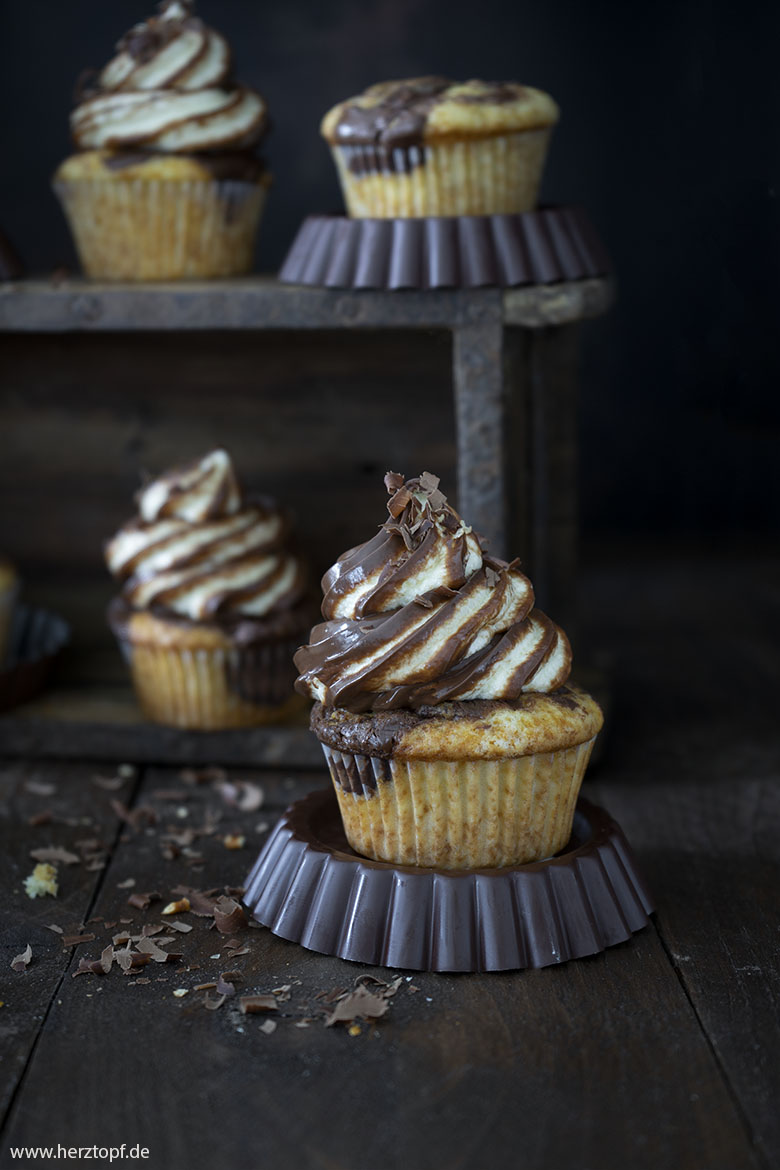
(308, 890)
(546, 246)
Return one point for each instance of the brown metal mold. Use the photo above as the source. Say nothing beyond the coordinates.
(310, 887)
(471, 251)
(37, 637)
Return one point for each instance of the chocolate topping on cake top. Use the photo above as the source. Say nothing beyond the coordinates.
(169, 89)
(420, 615)
(199, 551)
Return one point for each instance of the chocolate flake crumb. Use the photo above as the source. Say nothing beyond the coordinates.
(21, 962)
(268, 1026)
(225, 987)
(55, 854)
(44, 817)
(183, 927)
(127, 884)
(75, 940)
(53, 926)
(136, 818)
(40, 788)
(212, 1005)
(229, 916)
(142, 901)
(251, 1004)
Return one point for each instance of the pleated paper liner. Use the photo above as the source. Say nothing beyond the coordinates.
(308, 886)
(36, 639)
(476, 251)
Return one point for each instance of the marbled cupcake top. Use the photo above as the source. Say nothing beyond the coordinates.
(420, 615)
(199, 551)
(402, 114)
(169, 89)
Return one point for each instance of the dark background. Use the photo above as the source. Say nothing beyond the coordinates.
(669, 137)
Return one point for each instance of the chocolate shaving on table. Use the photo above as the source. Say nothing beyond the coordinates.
(137, 817)
(88, 967)
(211, 1005)
(268, 1026)
(142, 901)
(360, 1004)
(202, 775)
(21, 962)
(109, 783)
(40, 788)
(225, 987)
(53, 926)
(241, 794)
(107, 958)
(55, 854)
(251, 1004)
(44, 817)
(127, 884)
(150, 928)
(229, 916)
(148, 946)
(183, 927)
(75, 940)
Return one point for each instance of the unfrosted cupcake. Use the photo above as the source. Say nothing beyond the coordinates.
(429, 146)
(213, 603)
(451, 735)
(166, 183)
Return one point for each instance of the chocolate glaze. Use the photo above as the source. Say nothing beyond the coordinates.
(378, 733)
(394, 128)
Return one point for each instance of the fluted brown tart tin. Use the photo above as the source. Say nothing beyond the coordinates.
(310, 887)
(471, 251)
(36, 639)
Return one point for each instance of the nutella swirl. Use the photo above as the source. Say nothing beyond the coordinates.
(420, 615)
(169, 89)
(199, 551)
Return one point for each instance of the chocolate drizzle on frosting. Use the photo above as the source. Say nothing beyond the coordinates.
(169, 88)
(199, 552)
(419, 615)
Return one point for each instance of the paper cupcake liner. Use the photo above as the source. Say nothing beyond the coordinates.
(307, 886)
(213, 689)
(35, 639)
(157, 229)
(458, 814)
(499, 251)
(484, 176)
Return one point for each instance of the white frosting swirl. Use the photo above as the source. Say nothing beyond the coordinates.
(419, 615)
(168, 89)
(198, 550)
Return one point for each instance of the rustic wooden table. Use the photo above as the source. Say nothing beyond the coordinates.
(661, 1052)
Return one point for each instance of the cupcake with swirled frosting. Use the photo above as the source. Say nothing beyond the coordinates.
(166, 182)
(213, 602)
(443, 707)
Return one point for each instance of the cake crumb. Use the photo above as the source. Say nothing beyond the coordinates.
(42, 881)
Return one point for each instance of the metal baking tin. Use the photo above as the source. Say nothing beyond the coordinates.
(36, 638)
(310, 887)
(470, 251)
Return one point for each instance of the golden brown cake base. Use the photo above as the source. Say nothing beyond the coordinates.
(461, 785)
(160, 221)
(480, 176)
(192, 675)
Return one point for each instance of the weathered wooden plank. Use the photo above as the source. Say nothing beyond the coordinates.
(598, 1063)
(258, 302)
(24, 793)
(711, 853)
(306, 417)
(480, 425)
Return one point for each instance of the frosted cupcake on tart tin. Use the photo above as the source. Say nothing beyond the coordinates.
(429, 146)
(166, 183)
(213, 603)
(442, 704)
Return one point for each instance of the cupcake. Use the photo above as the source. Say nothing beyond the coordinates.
(442, 705)
(166, 183)
(429, 146)
(212, 604)
(9, 588)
